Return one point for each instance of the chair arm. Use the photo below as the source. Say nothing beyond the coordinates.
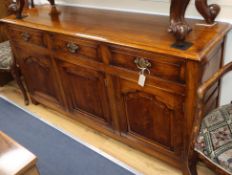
(209, 83)
(200, 113)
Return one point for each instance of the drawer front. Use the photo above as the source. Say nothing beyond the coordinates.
(157, 65)
(80, 48)
(27, 35)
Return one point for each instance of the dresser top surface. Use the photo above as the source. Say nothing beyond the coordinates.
(140, 31)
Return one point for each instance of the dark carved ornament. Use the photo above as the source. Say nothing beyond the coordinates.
(209, 12)
(178, 25)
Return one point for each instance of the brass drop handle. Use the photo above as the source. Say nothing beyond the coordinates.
(26, 36)
(72, 47)
(142, 63)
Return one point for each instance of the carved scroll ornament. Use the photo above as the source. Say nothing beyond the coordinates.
(209, 12)
(178, 26)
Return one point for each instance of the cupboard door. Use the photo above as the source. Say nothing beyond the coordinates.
(150, 115)
(85, 91)
(38, 71)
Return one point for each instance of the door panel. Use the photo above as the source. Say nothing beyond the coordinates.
(85, 90)
(149, 115)
(38, 71)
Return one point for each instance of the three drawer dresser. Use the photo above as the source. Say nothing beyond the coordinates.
(118, 73)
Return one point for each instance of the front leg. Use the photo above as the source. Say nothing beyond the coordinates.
(178, 25)
(209, 12)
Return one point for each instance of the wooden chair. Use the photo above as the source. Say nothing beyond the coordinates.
(7, 61)
(211, 139)
(8, 64)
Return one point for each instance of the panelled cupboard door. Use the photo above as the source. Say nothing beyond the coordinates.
(86, 91)
(150, 115)
(38, 71)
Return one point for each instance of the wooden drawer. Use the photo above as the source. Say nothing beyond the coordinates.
(27, 35)
(84, 49)
(161, 66)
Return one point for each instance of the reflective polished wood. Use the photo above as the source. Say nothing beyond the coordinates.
(178, 25)
(85, 63)
(15, 159)
(122, 28)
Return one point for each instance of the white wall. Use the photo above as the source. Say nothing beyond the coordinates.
(162, 7)
(147, 6)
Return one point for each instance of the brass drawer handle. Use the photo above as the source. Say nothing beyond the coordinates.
(26, 36)
(72, 47)
(142, 63)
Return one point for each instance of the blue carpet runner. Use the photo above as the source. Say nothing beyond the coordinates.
(58, 154)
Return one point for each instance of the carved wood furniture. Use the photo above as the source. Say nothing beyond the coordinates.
(214, 143)
(178, 26)
(88, 64)
(15, 159)
(209, 12)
